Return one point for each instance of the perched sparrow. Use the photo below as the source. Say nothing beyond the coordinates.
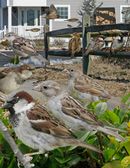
(51, 12)
(26, 50)
(10, 82)
(74, 45)
(72, 20)
(36, 128)
(33, 30)
(95, 44)
(21, 46)
(117, 44)
(69, 111)
(85, 88)
(13, 80)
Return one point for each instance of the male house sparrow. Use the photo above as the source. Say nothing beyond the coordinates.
(25, 49)
(36, 128)
(69, 111)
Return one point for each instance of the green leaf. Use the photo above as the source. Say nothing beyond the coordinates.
(1, 162)
(74, 160)
(63, 160)
(113, 117)
(108, 153)
(12, 163)
(125, 162)
(126, 98)
(127, 146)
(113, 164)
(101, 108)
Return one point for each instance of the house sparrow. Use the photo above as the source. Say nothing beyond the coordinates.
(36, 128)
(69, 111)
(84, 88)
(74, 45)
(117, 44)
(33, 30)
(26, 50)
(95, 44)
(51, 12)
(21, 46)
(72, 20)
(13, 80)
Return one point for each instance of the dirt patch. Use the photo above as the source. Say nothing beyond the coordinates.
(111, 75)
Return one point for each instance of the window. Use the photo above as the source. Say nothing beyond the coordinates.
(125, 14)
(22, 18)
(63, 12)
(38, 17)
(30, 17)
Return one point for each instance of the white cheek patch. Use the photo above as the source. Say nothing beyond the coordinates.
(20, 107)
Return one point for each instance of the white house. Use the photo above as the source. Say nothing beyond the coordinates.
(20, 15)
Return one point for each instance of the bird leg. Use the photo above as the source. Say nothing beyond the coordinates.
(34, 153)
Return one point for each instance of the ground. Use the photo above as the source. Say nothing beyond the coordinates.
(113, 75)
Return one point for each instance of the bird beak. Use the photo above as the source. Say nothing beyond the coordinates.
(66, 71)
(10, 103)
(37, 88)
(7, 105)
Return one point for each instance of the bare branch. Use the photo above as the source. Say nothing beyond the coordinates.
(21, 158)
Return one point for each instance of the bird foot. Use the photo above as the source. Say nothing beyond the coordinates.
(27, 160)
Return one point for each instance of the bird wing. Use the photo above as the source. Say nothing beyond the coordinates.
(52, 9)
(71, 107)
(42, 121)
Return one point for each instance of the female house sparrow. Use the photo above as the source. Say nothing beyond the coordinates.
(13, 80)
(35, 127)
(74, 45)
(51, 12)
(84, 88)
(69, 111)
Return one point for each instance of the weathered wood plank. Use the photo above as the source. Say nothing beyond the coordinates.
(64, 31)
(121, 54)
(99, 28)
(62, 53)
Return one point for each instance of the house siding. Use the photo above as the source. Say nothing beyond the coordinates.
(74, 8)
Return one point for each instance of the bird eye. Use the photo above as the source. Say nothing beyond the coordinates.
(45, 87)
(72, 70)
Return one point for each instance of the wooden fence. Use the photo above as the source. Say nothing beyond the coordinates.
(85, 30)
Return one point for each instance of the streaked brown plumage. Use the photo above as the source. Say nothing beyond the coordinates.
(51, 12)
(36, 128)
(69, 111)
(74, 45)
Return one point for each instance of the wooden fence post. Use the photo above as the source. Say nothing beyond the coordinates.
(46, 41)
(86, 40)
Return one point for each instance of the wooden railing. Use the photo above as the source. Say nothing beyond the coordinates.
(85, 30)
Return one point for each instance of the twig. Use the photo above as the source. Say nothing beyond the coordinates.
(21, 158)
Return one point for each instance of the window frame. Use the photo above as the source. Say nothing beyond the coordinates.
(121, 15)
(25, 16)
(60, 6)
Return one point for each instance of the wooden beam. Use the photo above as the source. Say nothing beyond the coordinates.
(99, 28)
(86, 40)
(64, 31)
